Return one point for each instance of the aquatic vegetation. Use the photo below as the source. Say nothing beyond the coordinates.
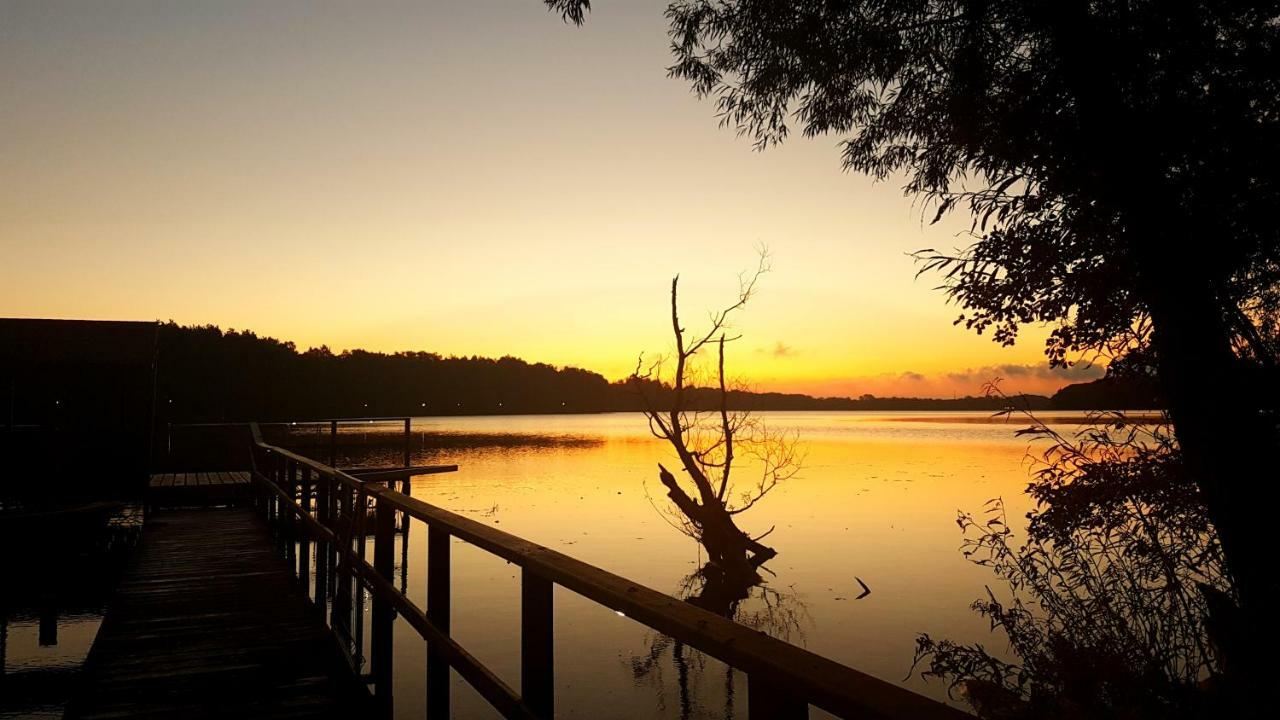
(1108, 602)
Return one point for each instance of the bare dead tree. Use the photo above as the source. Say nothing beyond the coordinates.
(709, 439)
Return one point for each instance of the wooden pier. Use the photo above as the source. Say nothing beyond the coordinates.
(209, 622)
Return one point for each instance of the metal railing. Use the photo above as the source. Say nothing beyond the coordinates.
(309, 502)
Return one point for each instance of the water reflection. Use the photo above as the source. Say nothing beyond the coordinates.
(779, 613)
(61, 564)
(877, 500)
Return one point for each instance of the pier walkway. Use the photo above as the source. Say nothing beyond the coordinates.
(208, 622)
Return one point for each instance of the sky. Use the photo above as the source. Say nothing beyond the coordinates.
(470, 177)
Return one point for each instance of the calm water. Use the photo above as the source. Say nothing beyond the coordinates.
(56, 587)
(876, 500)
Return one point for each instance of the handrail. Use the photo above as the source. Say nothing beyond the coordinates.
(783, 679)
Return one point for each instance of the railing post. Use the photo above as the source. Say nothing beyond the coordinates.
(361, 523)
(289, 486)
(406, 487)
(341, 617)
(404, 556)
(408, 435)
(438, 593)
(384, 528)
(277, 472)
(304, 530)
(333, 443)
(537, 656)
(766, 700)
(323, 549)
(255, 485)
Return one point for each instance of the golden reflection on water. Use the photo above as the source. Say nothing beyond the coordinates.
(877, 500)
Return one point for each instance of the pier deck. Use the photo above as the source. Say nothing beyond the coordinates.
(199, 489)
(208, 622)
(200, 479)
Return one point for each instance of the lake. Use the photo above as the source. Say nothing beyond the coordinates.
(876, 500)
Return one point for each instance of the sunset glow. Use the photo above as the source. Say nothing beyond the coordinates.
(464, 178)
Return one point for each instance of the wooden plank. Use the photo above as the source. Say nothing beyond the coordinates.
(375, 474)
(207, 622)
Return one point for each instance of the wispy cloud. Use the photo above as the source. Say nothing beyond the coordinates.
(779, 350)
(1075, 373)
(1036, 379)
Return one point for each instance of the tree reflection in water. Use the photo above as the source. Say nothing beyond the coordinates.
(779, 613)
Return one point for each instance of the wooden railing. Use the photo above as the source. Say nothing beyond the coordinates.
(308, 502)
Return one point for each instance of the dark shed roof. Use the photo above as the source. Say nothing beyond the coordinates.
(98, 342)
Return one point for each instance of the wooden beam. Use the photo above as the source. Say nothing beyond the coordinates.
(438, 594)
(374, 474)
(537, 643)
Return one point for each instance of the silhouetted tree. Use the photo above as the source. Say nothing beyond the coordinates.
(708, 443)
(1119, 160)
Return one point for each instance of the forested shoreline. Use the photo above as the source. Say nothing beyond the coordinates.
(207, 374)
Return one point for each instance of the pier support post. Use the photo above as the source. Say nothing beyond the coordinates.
(304, 530)
(537, 656)
(766, 700)
(438, 592)
(384, 528)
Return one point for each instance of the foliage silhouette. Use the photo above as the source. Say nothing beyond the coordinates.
(1107, 602)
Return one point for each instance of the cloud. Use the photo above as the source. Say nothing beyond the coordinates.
(779, 350)
(1076, 373)
(1073, 374)
(1035, 378)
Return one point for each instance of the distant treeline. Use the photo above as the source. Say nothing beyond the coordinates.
(207, 374)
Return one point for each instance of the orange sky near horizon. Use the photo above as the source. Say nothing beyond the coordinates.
(459, 177)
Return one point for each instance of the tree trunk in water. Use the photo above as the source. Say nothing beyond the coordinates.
(727, 546)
